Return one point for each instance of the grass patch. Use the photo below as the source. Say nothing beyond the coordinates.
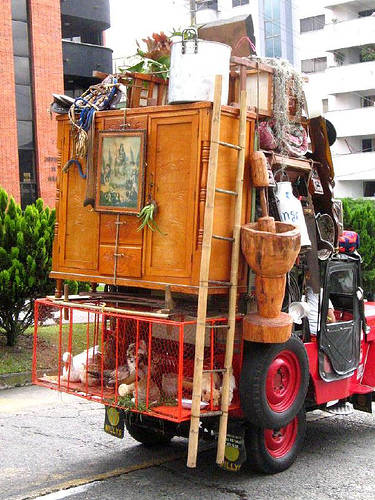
(18, 358)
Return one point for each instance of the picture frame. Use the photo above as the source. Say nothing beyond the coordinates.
(120, 171)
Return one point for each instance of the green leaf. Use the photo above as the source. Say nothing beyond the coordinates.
(137, 68)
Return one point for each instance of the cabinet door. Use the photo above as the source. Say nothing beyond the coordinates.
(78, 225)
(171, 179)
(129, 250)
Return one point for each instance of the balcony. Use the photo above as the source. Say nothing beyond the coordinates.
(95, 57)
(353, 33)
(353, 4)
(353, 122)
(85, 15)
(350, 78)
(354, 167)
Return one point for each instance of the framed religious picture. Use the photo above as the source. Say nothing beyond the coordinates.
(121, 171)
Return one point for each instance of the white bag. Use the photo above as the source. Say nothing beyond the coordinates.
(290, 210)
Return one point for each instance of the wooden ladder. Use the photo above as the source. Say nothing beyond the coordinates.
(204, 276)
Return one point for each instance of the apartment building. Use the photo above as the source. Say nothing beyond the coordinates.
(336, 49)
(35, 64)
(273, 22)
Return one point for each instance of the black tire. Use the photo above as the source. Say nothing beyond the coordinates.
(270, 451)
(148, 436)
(274, 382)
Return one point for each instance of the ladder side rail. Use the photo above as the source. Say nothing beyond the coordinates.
(234, 282)
(204, 275)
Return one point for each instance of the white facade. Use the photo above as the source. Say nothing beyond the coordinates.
(337, 49)
(136, 19)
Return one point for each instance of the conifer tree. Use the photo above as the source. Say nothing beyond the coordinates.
(25, 262)
(359, 216)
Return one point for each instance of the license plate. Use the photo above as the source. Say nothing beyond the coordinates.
(114, 422)
(235, 451)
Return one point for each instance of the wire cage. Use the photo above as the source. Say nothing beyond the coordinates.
(138, 363)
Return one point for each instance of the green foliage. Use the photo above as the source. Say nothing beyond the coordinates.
(367, 53)
(76, 287)
(155, 59)
(359, 216)
(25, 262)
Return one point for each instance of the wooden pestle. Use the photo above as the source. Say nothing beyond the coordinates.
(259, 177)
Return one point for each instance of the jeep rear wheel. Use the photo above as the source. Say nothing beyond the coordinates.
(274, 382)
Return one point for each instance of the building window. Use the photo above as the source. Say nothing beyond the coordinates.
(366, 13)
(369, 189)
(237, 3)
(314, 65)
(368, 145)
(312, 23)
(19, 11)
(368, 101)
(24, 103)
(272, 31)
(325, 105)
(206, 4)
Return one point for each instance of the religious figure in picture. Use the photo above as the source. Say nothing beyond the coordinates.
(120, 174)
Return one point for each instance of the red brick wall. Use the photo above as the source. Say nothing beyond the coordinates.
(9, 173)
(47, 79)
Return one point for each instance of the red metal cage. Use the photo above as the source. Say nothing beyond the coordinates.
(140, 364)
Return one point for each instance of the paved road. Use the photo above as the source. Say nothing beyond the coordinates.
(55, 443)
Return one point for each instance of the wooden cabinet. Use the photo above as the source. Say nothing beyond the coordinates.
(107, 248)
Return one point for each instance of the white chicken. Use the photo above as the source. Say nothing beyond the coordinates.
(72, 368)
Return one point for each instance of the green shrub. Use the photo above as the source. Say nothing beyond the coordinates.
(367, 53)
(25, 262)
(359, 216)
(76, 287)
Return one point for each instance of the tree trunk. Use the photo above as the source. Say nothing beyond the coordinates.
(11, 335)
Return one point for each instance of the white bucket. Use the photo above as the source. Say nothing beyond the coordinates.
(194, 64)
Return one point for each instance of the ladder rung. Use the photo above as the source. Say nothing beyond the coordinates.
(228, 145)
(211, 413)
(226, 191)
(226, 238)
(217, 326)
(215, 370)
(223, 283)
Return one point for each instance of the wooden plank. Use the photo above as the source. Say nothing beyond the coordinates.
(204, 273)
(234, 281)
(251, 64)
(292, 162)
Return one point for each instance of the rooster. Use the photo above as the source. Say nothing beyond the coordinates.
(72, 364)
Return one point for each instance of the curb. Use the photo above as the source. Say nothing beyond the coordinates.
(21, 379)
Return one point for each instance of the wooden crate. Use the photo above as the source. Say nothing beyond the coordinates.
(144, 90)
(259, 86)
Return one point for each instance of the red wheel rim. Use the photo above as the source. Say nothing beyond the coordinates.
(279, 442)
(283, 381)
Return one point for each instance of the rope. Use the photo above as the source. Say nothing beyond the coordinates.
(71, 162)
(95, 98)
(242, 39)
